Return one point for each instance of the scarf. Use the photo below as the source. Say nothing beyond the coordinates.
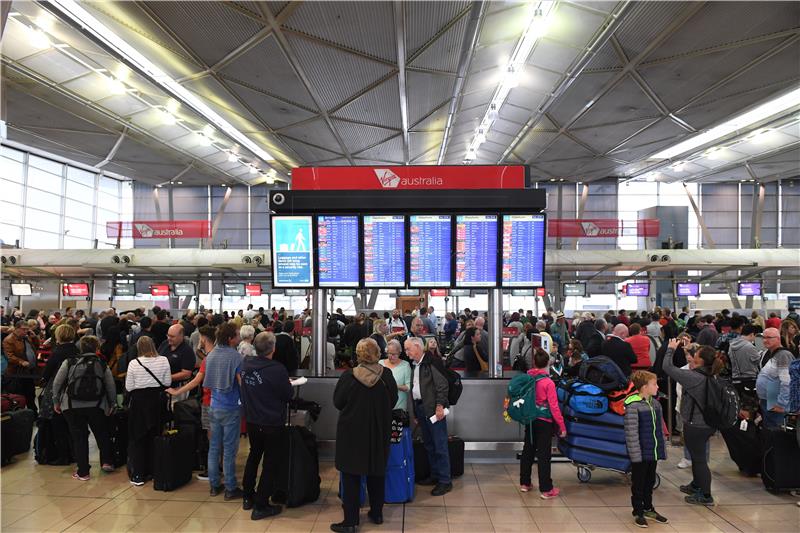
(221, 365)
(368, 373)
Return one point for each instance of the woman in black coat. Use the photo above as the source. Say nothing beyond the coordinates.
(58, 443)
(364, 397)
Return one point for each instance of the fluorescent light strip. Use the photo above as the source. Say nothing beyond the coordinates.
(90, 24)
(536, 28)
(778, 105)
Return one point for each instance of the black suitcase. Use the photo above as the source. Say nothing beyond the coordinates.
(744, 448)
(172, 465)
(781, 466)
(187, 417)
(422, 467)
(17, 433)
(118, 435)
(297, 479)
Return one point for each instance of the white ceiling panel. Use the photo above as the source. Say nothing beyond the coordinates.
(54, 65)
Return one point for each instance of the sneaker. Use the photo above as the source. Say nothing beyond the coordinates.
(107, 468)
(82, 478)
(550, 494)
(525, 488)
(699, 499)
(640, 521)
(234, 494)
(203, 476)
(441, 489)
(684, 463)
(137, 481)
(653, 515)
(688, 489)
(216, 491)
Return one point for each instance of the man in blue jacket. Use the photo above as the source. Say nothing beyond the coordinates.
(265, 392)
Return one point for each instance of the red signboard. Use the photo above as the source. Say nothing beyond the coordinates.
(409, 177)
(540, 291)
(602, 227)
(75, 289)
(159, 229)
(159, 290)
(252, 289)
(438, 292)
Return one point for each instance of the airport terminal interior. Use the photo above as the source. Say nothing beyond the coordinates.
(528, 266)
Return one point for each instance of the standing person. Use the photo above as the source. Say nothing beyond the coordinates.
(159, 327)
(744, 358)
(708, 334)
(247, 333)
(64, 349)
(380, 332)
(222, 367)
(539, 435)
(180, 355)
(640, 343)
(561, 329)
(433, 318)
(148, 375)
(758, 321)
(772, 384)
(20, 349)
(365, 397)
(265, 392)
(619, 351)
(429, 388)
(789, 337)
(84, 391)
(397, 322)
(450, 327)
(285, 349)
(401, 371)
(645, 440)
(696, 431)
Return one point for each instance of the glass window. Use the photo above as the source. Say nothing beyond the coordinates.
(78, 228)
(10, 213)
(44, 201)
(11, 169)
(11, 191)
(109, 185)
(10, 153)
(78, 210)
(108, 201)
(40, 239)
(104, 216)
(45, 164)
(81, 176)
(42, 220)
(44, 180)
(9, 234)
(74, 242)
(79, 192)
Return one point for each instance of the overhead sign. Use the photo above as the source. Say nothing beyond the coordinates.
(438, 292)
(575, 289)
(159, 229)
(602, 227)
(125, 289)
(793, 301)
(75, 289)
(252, 289)
(159, 290)
(408, 177)
(20, 289)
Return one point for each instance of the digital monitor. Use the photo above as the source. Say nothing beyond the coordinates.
(523, 250)
(541, 292)
(522, 292)
(75, 289)
(429, 250)
(125, 289)
(688, 289)
(460, 292)
(294, 292)
(338, 251)
(437, 292)
(476, 250)
(233, 289)
(184, 289)
(159, 290)
(345, 292)
(638, 289)
(384, 251)
(749, 288)
(292, 252)
(20, 289)
(575, 289)
(252, 289)
(407, 292)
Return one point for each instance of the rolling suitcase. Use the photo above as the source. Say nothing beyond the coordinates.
(597, 431)
(744, 448)
(400, 475)
(12, 402)
(781, 461)
(297, 478)
(172, 465)
(17, 432)
(422, 466)
(597, 445)
(118, 435)
(592, 457)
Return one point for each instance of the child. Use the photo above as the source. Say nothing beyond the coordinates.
(541, 441)
(645, 439)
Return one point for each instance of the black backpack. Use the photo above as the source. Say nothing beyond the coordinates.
(86, 379)
(722, 403)
(454, 386)
(603, 372)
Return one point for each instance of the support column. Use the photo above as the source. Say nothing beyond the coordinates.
(757, 214)
(495, 333)
(319, 331)
(91, 297)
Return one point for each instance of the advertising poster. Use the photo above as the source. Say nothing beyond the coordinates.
(292, 251)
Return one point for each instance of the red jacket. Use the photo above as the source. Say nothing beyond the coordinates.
(546, 394)
(641, 347)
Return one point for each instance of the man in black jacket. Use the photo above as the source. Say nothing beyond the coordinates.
(619, 351)
(593, 345)
(265, 392)
(285, 349)
(429, 389)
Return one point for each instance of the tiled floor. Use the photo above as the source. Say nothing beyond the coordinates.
(485, 499)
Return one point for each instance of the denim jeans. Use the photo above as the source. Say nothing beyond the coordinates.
(225, 429)
(772, 420)
(434, 436)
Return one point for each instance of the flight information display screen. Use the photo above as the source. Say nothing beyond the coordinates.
(292, 252)
(749, 288)
(384, 251)
(688, 289)
(476, 250)
(429, 250)
(523, 250)
(338, 247)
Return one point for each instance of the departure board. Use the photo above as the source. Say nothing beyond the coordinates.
(523, 251)
(384, 251)
(429, 251)
(476, 250)
(338, 248)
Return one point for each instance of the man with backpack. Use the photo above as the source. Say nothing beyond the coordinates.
(84, 391)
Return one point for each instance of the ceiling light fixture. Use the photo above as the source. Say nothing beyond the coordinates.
(202, 140)
(208, 130)
(173, 105)
(168, 118)
(232, 157)
(115, 86)
(538, 22)
(72, 10)
(253, 170)
(38, 38)
(776, 106)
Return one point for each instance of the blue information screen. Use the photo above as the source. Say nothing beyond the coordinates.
(339, 250)
(523, 250)
(292, 251)
(476, 251)
(430, 251)
(384, 251)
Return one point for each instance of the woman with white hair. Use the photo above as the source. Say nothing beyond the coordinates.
(247, 333)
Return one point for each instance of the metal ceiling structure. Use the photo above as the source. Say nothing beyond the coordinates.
(606, 87)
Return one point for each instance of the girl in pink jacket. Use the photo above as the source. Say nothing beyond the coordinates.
(539, 443)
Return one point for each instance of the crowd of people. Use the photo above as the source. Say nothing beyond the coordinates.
(145, 360)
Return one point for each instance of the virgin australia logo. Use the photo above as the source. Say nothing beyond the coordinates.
(590, 229)
(148, 232)
(387, 178)
(390, 180)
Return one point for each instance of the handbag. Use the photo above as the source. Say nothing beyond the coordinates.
(46, 411)
(164, 398)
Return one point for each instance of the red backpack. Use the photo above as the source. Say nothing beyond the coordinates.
(616, 399)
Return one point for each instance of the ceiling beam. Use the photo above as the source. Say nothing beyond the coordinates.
(400, 36)
(113, 151)
(746, 162)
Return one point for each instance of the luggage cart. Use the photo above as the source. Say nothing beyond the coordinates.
(585, 473)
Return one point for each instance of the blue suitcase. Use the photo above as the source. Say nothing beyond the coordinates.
(607, 418)
(589, 457)
(583, 398)
(399, 485)
(595, 431)
(597, 445)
